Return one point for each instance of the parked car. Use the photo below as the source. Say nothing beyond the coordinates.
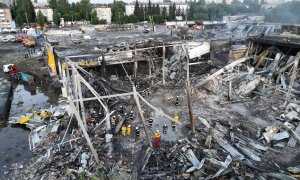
(5, 40)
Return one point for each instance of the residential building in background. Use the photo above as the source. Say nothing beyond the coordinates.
(5, 18)
(46, 11)
(103, 12)
(129, 8)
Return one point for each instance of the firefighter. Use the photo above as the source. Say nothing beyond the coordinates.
(124, 129)
(126, 119)
(121, 109)
(147, 92)
(144, 93)
(137, 133)
(129, 130)
(131, 116)
(177, 101)
(150, 122)
(173, 126)
(113, 121)
(95, 117)
(119, 118)
(176, 117)
(156, 138)
(165, 129)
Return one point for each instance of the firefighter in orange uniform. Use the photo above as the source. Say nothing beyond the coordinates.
(156, 138)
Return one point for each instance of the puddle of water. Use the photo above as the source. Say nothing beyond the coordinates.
(14, 139)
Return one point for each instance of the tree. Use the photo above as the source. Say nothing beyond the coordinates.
(157, 9)
(158, 19)
(23, 10)
(52, 4)
(56, 18)
(178, 11)
(117, 9)
(94, 19)
(85, 9)
(41, 18)
(102, 21)
(149, 8)
(164, 13)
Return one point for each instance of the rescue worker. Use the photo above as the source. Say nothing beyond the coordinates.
(119, 118)
(121, 109)
(147, 92)
(129, 130)
(177, 101)
(144, 93)
(137, 133)
(156, 138)
(176, 119)
(131, 116)
(126, 119)
(150, 122)
(124, 129)
(165, 129)
(173, 126)
(95, 117)
(113, 121)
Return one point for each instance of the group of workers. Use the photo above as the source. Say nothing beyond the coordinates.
(126, 128)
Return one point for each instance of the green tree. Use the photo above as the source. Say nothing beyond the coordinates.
(52, 4)
(118, 9)
(164, 13)
(95, 19)
(102, 21)
(85, 9)
(158, 19)
(149, 8)
(41, 18)
(56, 17)
(157, 10)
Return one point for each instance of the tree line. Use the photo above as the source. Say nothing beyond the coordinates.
(23, 11)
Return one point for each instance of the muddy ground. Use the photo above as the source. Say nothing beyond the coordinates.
(14, 138)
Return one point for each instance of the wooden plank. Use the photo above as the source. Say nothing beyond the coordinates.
(288, 97)
(86, 136)
(142, 116)
(104, 97)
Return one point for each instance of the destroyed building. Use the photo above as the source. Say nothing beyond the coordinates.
(236, 102)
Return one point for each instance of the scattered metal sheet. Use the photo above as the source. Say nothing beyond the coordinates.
(232, 151)
(193, 159)
(248, 153)
(281, 136)
(294, 170)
